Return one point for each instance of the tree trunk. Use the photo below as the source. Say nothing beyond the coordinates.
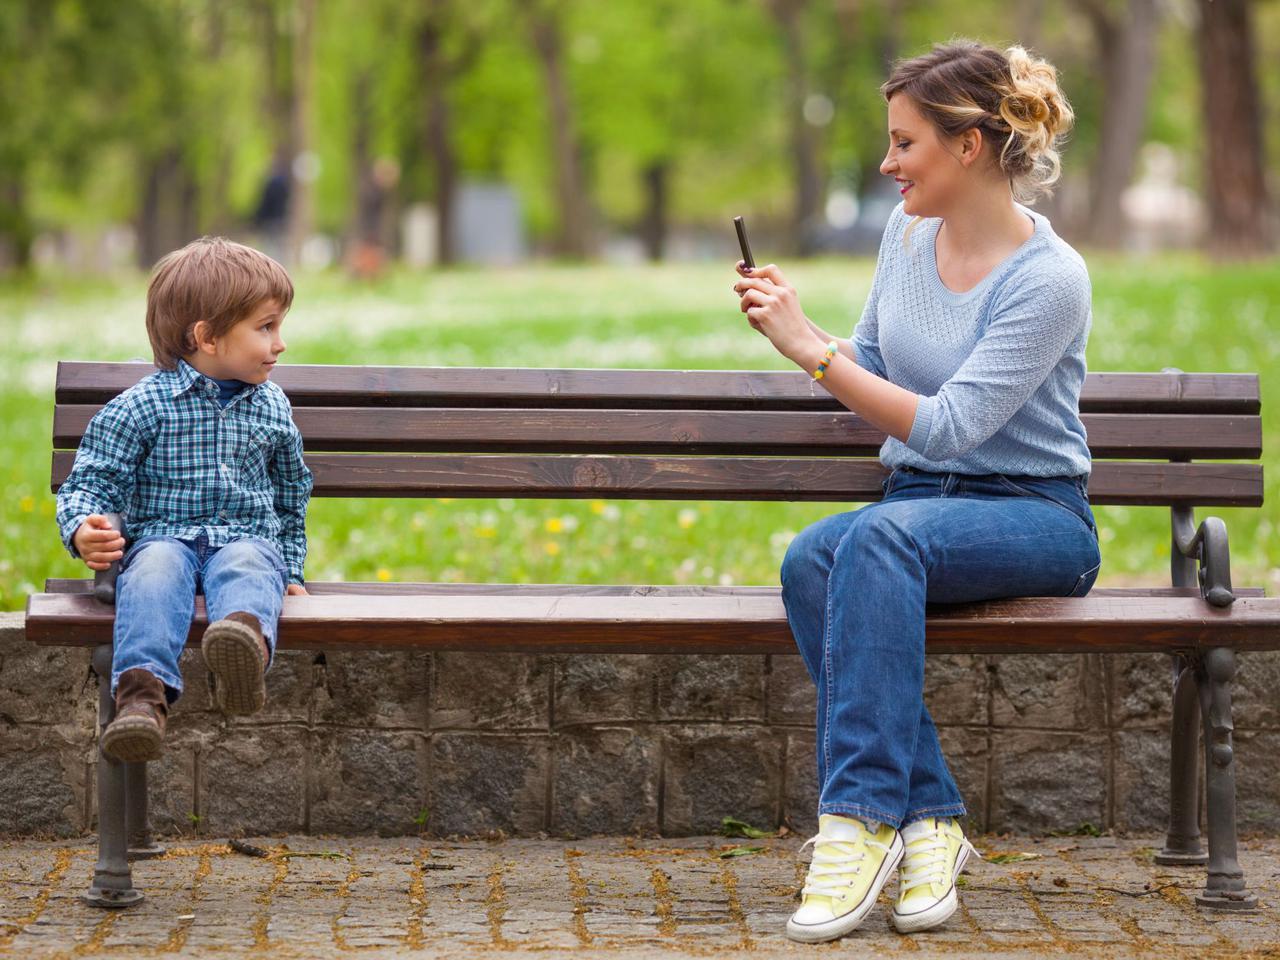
(16, 230)
(1127, 48)
(438, 133)
(167, 216)
(806, 166)
(573, 239)
(1235, 169)
(653, 225)
(300, 198)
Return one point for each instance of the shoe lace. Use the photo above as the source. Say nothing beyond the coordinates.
(833, 862)
(925, 861)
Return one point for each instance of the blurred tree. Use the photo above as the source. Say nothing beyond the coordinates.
(1235, 169)
(545, 21)
(1124, 33)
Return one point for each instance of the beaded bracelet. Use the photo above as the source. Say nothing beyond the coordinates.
(826, 361)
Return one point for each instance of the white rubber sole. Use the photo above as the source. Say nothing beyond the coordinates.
(939, 913)
(848, 922)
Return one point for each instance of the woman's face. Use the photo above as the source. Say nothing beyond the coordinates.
(928, 174)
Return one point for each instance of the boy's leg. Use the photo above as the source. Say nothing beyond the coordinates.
(155, 598)
(244, 585)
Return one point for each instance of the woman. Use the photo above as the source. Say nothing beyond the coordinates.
(970, 355)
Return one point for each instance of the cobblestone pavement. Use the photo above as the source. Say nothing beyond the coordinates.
(404, 897)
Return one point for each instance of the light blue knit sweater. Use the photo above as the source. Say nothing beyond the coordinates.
(998, 368)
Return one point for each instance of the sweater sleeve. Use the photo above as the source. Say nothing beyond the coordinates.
(1029, 328)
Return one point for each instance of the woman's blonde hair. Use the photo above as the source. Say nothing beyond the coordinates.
(1010, 96)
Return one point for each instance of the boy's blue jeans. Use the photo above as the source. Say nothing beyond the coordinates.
(855, 586)
(156, 594)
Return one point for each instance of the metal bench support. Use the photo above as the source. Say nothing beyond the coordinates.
(112, 877)
(1225, 888)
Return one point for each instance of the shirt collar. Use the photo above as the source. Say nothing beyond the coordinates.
(187, 377)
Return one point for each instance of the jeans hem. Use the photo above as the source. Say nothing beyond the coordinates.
(172, 682)
(956, 810)
(859, 811)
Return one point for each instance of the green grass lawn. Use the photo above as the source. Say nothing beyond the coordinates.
(1147, 314)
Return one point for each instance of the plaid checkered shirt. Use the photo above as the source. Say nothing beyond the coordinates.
(176, 464)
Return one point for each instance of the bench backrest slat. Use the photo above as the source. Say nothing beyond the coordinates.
(718, 478)
(671, 434)
(737, 433)
(326, 386)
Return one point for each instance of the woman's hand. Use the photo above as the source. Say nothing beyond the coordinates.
(773, 308)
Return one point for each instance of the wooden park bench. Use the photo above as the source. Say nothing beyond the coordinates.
(665, 434)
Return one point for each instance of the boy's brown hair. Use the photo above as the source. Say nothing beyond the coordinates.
(211, 279)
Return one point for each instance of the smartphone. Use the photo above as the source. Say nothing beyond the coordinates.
(742, 241)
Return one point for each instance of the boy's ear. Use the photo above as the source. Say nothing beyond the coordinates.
(200, 336)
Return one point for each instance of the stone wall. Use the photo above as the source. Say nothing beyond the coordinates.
(393, 743)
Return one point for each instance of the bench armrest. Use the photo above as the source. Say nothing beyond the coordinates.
(104, 581)
(1207, 545)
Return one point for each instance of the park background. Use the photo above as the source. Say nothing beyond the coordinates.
(529, 183)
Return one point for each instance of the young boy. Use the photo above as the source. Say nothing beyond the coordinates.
(203, 460)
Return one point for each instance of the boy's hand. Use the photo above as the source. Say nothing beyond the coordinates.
(98, 544)
(295, 590)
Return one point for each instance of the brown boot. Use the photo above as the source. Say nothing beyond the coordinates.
(236, 655)
(137, 731)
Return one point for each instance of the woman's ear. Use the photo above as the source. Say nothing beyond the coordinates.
(970, 146)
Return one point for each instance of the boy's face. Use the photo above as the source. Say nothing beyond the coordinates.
(248, 351)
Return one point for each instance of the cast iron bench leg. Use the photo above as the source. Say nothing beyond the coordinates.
(141, 844)
(1225, 888)
(1182, 846)
(112, 878)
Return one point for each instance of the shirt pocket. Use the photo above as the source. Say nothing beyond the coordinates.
(260, 447)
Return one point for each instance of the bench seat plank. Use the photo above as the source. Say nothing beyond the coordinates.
(723, 432)
(713, 623)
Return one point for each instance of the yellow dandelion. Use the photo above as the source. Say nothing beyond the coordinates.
(27, 504)
(487, 532)
(551, 547)
(445, 499)
(598, 507)
(554, 525)
(384, 574)
(687, 518)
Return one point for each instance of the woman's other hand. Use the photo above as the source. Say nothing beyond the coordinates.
(773, 308)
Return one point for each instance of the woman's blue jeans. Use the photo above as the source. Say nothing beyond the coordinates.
(855, 587)
(156, 596)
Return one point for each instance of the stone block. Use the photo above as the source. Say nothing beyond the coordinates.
(955, 688)
(1255, 693)
(790, 694)
(1141, 690)
(41, 684)
(173, 792)
(482, 782)
(699, 687)
(1142, 779)
(1053, 691)
(605, 780)
(253, 781)
(290, 686)
(1043, 781)
(373, 688)
(43, 780)
(491, 691)
(603, 688)
(801, 794)
(367, 781)
(1257, 763)
(965, 750)
(713, 771)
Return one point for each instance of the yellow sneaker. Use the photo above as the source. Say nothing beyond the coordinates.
(936, 852)
(850, 866)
